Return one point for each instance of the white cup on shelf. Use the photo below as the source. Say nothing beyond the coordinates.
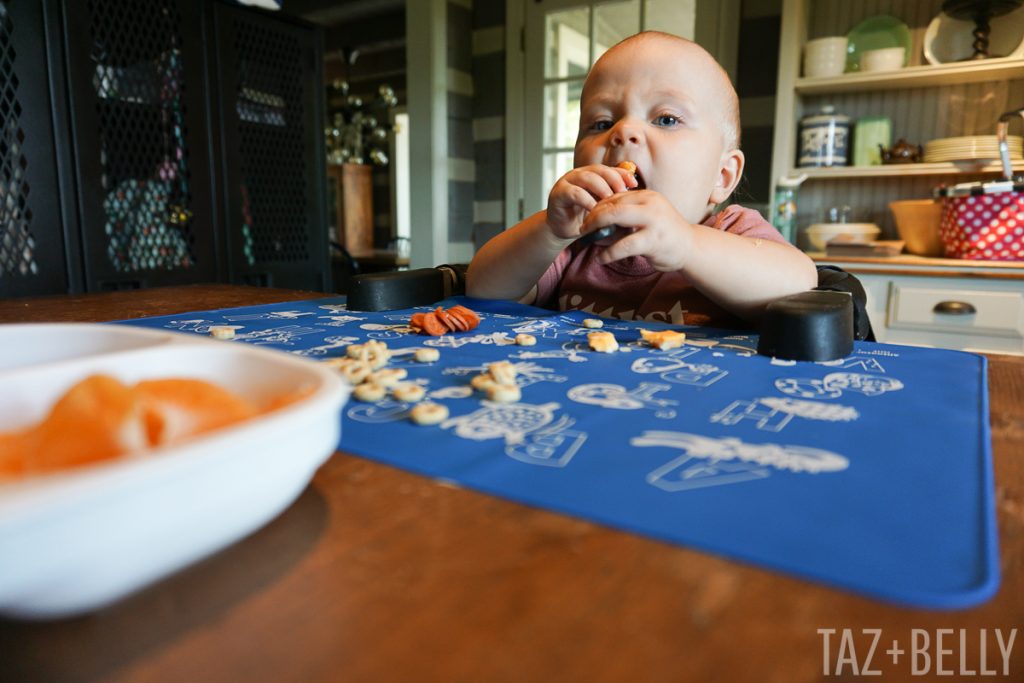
(824, 57)
(885, 59)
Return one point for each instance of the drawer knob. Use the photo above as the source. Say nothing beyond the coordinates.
(954, 308)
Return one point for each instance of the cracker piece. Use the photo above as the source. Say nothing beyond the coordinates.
(369, 391)
(426, 355)
(603, 342)
(526, 340)
(428, 413)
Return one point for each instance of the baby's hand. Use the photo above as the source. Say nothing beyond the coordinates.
(578, 192)
(660, 233)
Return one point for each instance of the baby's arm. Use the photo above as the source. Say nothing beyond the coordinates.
(510, 264)
(741, 274)
(744, 274)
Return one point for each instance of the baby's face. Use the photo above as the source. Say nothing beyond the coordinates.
(660, 104)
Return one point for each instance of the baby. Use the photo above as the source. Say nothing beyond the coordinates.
(663, 103)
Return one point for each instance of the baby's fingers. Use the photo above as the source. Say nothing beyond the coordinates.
(591, 180)
(579, 197)
(621, 210)
(637, 243)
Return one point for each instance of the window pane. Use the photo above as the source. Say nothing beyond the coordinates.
(567, 43)
(556, 165)
(672, 16)
(561, 113)
(613, 22)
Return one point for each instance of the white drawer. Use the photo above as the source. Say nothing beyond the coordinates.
(957, 311)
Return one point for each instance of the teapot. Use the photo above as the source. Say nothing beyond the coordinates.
(901, 153)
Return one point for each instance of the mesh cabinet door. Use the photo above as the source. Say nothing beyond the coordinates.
(32, 251)
(136, 83)
(271, 128)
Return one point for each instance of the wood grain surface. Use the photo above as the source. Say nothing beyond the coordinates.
(376, 574)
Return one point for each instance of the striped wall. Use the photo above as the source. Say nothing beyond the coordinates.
(461, 163)
(489, 119)
(476, 123)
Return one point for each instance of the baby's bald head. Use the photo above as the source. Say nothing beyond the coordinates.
(689, 55)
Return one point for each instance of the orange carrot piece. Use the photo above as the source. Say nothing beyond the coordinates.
(433, 326)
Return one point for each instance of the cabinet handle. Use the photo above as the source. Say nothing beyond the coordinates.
(954, 308)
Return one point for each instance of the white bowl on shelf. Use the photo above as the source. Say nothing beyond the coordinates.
(820, 234)
(885, 59)
(80, 538)
(825, 57)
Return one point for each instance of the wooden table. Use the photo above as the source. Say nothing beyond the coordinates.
(375, 574)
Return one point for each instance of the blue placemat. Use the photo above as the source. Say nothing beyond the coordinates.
(872, 473)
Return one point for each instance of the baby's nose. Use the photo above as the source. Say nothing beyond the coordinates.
(626, 132)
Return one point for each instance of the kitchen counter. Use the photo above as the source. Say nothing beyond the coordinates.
(923, 266)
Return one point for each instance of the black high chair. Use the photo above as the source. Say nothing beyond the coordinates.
(424, 286)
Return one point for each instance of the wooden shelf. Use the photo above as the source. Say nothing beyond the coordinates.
(903, 170)
(1001, 69)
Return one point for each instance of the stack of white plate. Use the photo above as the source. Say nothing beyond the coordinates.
(971, 147)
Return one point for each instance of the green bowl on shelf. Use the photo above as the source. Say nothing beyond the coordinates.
(876, 33)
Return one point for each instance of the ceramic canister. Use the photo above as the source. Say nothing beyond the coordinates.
(824, 139)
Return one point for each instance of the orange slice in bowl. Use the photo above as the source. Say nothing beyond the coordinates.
(175, 409)
(97, 419)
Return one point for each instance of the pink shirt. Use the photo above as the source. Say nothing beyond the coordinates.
(631, 289)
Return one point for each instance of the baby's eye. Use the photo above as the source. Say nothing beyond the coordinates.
(600, 125)
(666, 120)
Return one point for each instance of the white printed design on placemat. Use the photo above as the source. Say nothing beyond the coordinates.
(660, 362)
(538, 328)
(269, 315)
(552, 446)
(833, 385)
(382, 331)
(695, 374)
(198, 325)
(285, 335)
(773, 413)
(459, 391)
(733, 343)
(570, 351)
(577, 327)
(510, 421)
(336, 320)
(379, 412)
(330, 344)
(453, 342)
(526, 373)
(334, 308)
(709, 461)
(617, 397)
(865, 364)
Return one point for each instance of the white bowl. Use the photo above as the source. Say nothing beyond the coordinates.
(825, 57)
(885, 59)
(821, 233)
(76, 540)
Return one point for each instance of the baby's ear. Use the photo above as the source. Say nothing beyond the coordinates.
(730, 170)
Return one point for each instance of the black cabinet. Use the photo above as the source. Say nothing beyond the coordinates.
(269, 96)
(33, 249)
(173, 142)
